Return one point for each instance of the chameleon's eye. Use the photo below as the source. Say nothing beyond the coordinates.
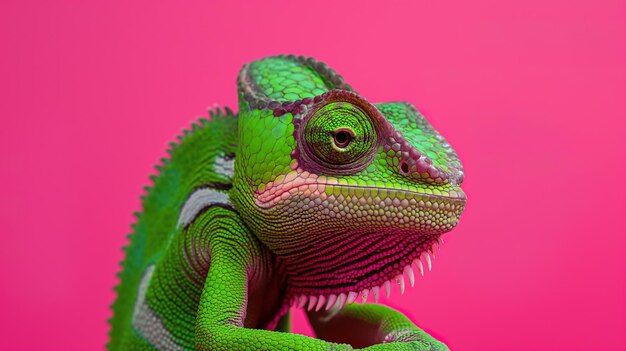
(340, 136)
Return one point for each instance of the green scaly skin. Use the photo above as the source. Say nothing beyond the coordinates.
(310, 197)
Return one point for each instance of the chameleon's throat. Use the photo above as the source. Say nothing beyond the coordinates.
(358, 281)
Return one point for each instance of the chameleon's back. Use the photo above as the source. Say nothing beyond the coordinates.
(204, 155)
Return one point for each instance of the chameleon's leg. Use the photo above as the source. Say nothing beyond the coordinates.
(222, 307)
(372, 327)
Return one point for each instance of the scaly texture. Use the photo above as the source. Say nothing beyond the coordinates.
(310, 197)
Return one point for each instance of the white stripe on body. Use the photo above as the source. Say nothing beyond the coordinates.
(225, 166)
(147, 322)
(198, 201)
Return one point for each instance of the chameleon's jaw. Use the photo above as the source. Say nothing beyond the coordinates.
(341, 241)
(303, 195)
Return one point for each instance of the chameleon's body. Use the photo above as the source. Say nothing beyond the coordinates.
(311, 197)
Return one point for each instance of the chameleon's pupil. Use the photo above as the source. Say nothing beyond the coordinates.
(342, 138)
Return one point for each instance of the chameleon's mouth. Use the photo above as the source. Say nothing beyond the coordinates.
(273, 194)
(378, 207)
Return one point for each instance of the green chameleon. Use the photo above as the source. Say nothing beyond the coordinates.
(310, 197)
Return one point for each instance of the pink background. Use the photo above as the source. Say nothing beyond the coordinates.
(531, 93)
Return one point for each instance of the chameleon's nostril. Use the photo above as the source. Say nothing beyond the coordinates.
(404, 167)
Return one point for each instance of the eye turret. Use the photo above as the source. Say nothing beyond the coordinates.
(340, 137)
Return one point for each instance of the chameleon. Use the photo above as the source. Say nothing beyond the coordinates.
(309, 197)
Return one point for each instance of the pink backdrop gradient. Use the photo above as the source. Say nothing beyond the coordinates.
(532, 94)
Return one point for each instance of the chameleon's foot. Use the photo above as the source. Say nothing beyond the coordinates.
(409, 340)
(412, 343)
(372, 327)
